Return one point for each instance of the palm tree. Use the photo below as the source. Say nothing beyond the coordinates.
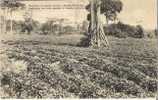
(10, 6)
(3, 6)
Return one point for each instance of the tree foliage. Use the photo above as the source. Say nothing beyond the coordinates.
(28, 25)
(12, 4)
(110, 8)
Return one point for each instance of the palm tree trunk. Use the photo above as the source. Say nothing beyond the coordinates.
(11, 22)
(4, 20)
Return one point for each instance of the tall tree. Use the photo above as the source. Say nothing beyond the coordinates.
(110, 8)
(96, 33)
(10, 6)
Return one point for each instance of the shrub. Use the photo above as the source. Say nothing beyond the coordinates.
(85, 41)
(156, 32)
(151, 35)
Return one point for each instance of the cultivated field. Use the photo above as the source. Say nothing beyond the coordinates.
(54, 67)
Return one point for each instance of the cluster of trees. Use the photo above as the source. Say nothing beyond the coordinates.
(8, 7)
(26, 26)
(29, 25)
(50, 27)
(109, 8)
(122, 30)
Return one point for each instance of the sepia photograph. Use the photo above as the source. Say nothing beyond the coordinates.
(78, 49)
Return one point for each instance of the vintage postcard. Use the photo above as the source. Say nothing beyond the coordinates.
(78, 49)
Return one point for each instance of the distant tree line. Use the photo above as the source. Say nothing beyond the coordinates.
(31, 26)
(119, 29)
(122, 30)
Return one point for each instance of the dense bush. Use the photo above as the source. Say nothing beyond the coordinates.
(123, 30)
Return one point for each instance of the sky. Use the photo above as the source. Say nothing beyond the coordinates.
(134, 12)
(141, 12)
